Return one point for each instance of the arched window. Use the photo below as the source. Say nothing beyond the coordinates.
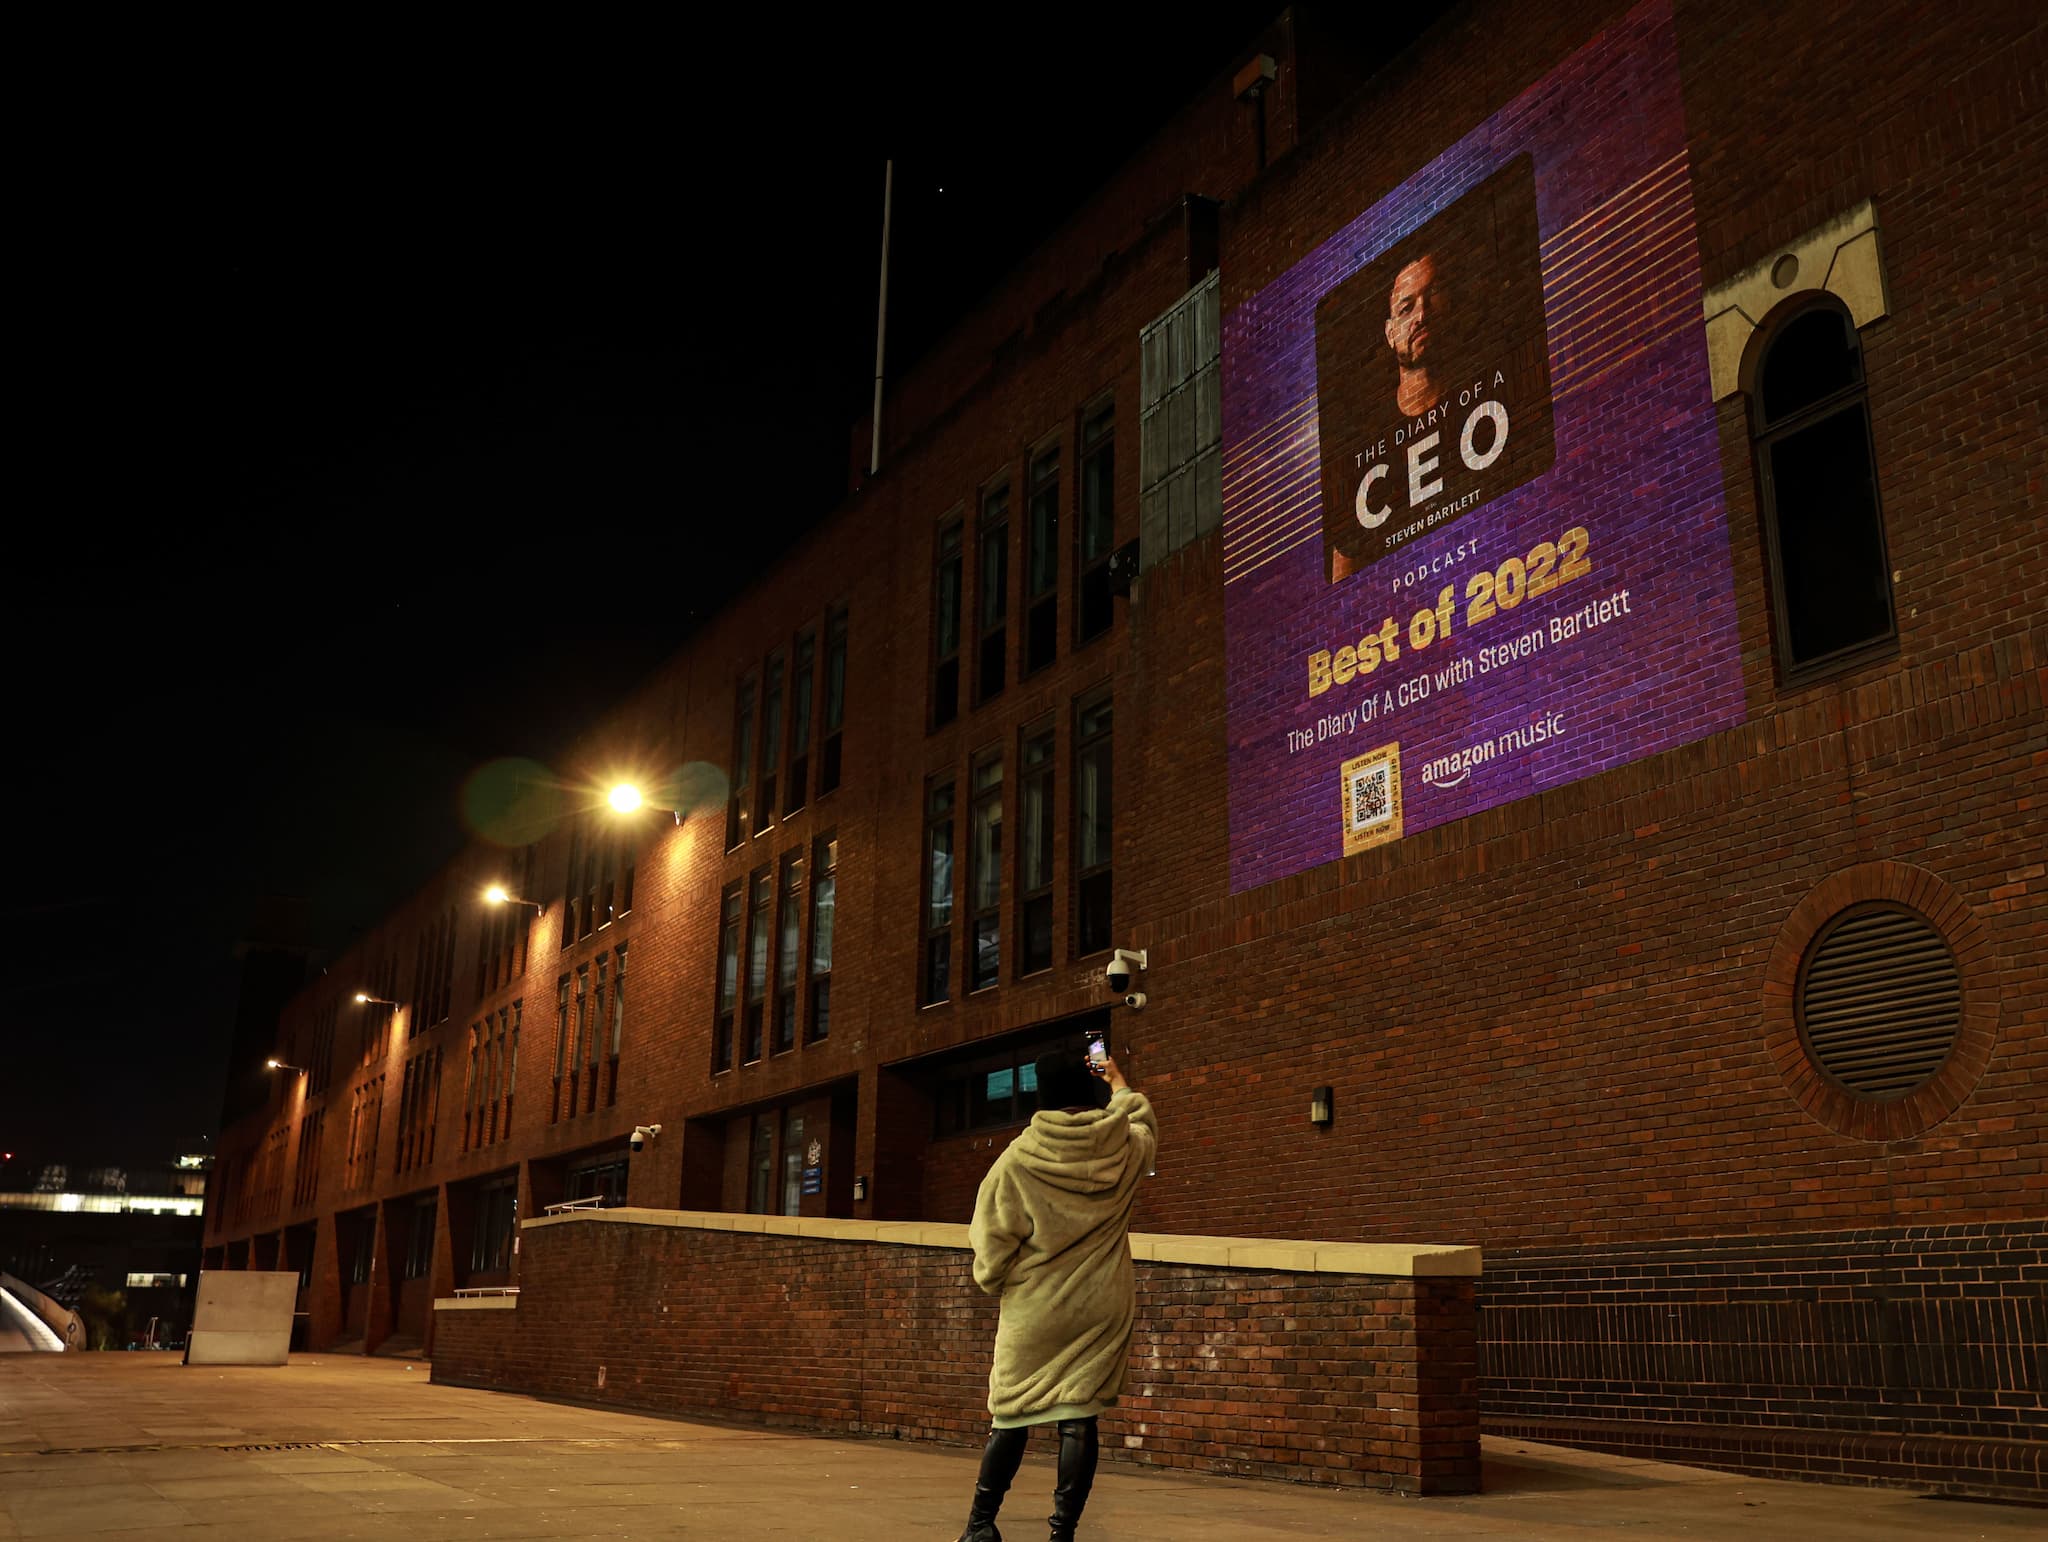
(1831, 589)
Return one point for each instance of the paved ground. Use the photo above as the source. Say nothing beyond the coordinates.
(139, 1446)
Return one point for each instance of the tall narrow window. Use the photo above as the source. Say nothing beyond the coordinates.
(985, 880)
(472, 1098)
(419, 1252)
(946, 628)
(611, 1085)
(728, 977)
(602, 969)
(561, 1046)
(992, 543)
(736, 816)
(1830, 576)
(792, 1162)
(771, 743)
(496, 1040)
(758, 896)
(800, 704)
(937, 982)
(789, 916)
(1034, 852)
(1098, 524)
(512, 1066)
(824, 905)
(1093, 825)
(835, 700)
(579, 1035)
(1042, 569)
(761, 1178)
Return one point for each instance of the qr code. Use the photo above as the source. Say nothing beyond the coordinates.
(1372, 799)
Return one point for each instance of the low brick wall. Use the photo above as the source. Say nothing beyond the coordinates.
(1318, 1362)
(1915, 1356)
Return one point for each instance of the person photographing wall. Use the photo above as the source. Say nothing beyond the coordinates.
(1049, 1239)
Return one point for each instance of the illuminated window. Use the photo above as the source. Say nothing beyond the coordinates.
(936, 983)
(1824, 530)
(728, 977)
(789, 917)
(754, 1009)
(824, 909)
(985, 870)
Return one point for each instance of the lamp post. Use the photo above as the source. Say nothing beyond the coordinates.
(274, 1064)
(498, 894)
(365, 999)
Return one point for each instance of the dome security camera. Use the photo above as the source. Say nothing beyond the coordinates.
(642, 1134)
(1123, 966)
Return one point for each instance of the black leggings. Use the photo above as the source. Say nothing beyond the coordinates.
(1078, 1449)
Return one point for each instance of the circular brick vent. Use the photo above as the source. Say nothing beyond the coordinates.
(1880, 1002)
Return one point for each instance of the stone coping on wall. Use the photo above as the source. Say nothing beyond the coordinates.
(1398, 1260)
(475, 1303)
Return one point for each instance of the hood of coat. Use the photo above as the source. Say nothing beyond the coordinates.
(1084, 1153)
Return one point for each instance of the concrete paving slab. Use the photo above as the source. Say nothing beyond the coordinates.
(98, 1508)
(408, 1460)
(254, 1485)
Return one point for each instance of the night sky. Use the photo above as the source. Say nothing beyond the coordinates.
(394, 402)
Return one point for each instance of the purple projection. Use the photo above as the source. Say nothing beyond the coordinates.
(1474, 543)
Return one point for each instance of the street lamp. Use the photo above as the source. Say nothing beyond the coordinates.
(364, 998)
(274, 1064)
(625, 798)
(498, 894)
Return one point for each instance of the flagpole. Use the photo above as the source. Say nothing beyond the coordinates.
(881, 318)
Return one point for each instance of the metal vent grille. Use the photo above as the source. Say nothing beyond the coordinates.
(1880, 1003)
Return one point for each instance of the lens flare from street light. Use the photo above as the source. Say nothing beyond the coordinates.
(496, 894)
(625, 797)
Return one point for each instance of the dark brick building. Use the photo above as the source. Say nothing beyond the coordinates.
(1678, 937)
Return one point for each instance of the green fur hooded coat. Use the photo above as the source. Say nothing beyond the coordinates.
(1048, 1233)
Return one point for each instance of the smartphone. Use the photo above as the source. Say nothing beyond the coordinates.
(1098, 1052)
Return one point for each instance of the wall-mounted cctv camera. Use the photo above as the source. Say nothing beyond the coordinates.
(642, 1134)
(1135, 1001)
(1123, 965)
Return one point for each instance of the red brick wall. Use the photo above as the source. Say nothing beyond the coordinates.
(1347, 1379)
(1556, 1025)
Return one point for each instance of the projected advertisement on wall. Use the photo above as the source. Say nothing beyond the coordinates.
(1474, 542)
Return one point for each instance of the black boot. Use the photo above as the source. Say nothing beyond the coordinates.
(1078, 1450)
(999, 1459)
